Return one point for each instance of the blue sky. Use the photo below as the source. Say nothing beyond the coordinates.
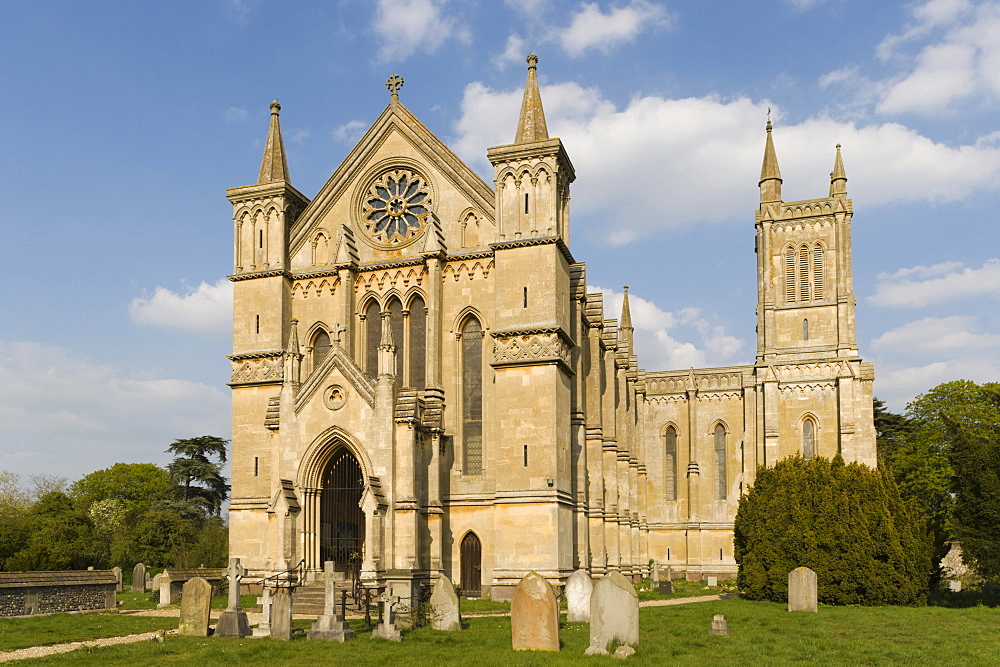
(125, 122)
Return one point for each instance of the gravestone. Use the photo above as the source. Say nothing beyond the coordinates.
(263, 628)
(719, 626)
(196, 601)
(614, 614)
(579, 588)
(149, 582)
(118, 578)
(444, 603)
(385, 629)
(656, 573)
(666, 588)
(233, 621)
(713, 582)
(802, 590)
(670, 573)
(331, 626)
(955, 586)
(281, 614)
(138, 578)
(534, 615)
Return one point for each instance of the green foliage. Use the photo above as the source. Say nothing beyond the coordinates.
(138, 486)
(846, 522)
(59, 537)
(200, 480)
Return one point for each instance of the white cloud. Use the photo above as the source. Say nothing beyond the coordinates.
(404, 27)
(513, 52)
(702, 156)
(936, 335)
(62, 414)
(235, 113)
(350, 132)
(592, 28)
(206, 309)
(658, 333)
(300, 135)
(920, 286)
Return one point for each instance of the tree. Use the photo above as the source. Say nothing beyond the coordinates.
(200, 479)
(59, 537)
(138, 486)
(14, 504)
(846, 522)
(960, 421)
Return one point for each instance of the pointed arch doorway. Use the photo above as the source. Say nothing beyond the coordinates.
(472, 566)
(342, 523)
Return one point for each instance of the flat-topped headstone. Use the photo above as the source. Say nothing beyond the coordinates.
(579, 588)
(534, 615)
(281, 614)
(196, 601)
(118, 578)
(666, 588)
(713, 582)
(802, 590)
(233, 621)
(614, 614)
(444, 603)
(719, 626)
(138, 578)
(331, 626)
(386, 629)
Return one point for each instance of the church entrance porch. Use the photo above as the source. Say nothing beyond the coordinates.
(342, 522)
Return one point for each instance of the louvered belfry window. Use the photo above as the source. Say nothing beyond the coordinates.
(472, 397)
(418, 343)
(818, 272)
(804, 273)
(790, 275)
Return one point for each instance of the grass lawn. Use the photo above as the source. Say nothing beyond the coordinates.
(136, 601)
(18, 633)
(762, 632)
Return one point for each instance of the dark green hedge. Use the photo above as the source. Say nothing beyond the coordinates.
(846, 522)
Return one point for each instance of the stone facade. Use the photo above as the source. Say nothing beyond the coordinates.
(422, 384)
(27, 593)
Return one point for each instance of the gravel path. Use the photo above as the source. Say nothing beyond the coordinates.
(252, 617)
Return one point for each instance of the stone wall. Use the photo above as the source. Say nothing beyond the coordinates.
(26, 593)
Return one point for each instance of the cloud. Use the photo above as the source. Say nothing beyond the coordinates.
(242, 10)
(592, 28)
(703, 156)
(921, 285)
(407, 26)
(206, 309)
(235, 113)
(350, 132)
(513, 52)
(659, 334)
(300, 135)
(62, 414)
(936, 335)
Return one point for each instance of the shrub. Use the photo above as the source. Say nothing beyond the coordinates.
(846, 522)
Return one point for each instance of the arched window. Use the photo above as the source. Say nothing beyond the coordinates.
(808, 438)
(720, 462)
(373, 334)
(790, 275)
(805, 329)
(417, 347)
(804, 273)
(395, 309)
(818, 271)
(670, 463)
(321, 348)
(472, 397)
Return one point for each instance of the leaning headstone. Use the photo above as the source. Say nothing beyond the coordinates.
(281, 614)
(444, 603)
(614, 614)
(802, 590)
(719, 626)
(233, 621)
(579, 588)
(386, 629)
(534, 615)
(331, 626)
(118, 578)
(666, 588)
(196, 601)
(138, 578)
(713, 582)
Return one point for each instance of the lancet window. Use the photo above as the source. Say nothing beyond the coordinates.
(808, 438)
(373, 334)
(417, 344)
(472, 397)
(720, 462)
(670, 463)
(320, 348)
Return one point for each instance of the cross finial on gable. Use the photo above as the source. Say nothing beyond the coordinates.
(394, 83)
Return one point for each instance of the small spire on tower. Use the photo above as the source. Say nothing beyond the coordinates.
(625, 323)
(274, 167)
(531, 123)
(838, 177)
(770, 175)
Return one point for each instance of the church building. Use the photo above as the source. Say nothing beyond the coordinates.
(422, 384)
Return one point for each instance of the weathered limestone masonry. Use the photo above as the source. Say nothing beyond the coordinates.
(26, 593)
(422, 385)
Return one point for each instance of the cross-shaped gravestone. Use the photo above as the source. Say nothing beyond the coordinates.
(394, 83)
(385, 629)
(387, 599)
(236, 572)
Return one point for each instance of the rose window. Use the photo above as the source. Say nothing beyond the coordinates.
(395, 207)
